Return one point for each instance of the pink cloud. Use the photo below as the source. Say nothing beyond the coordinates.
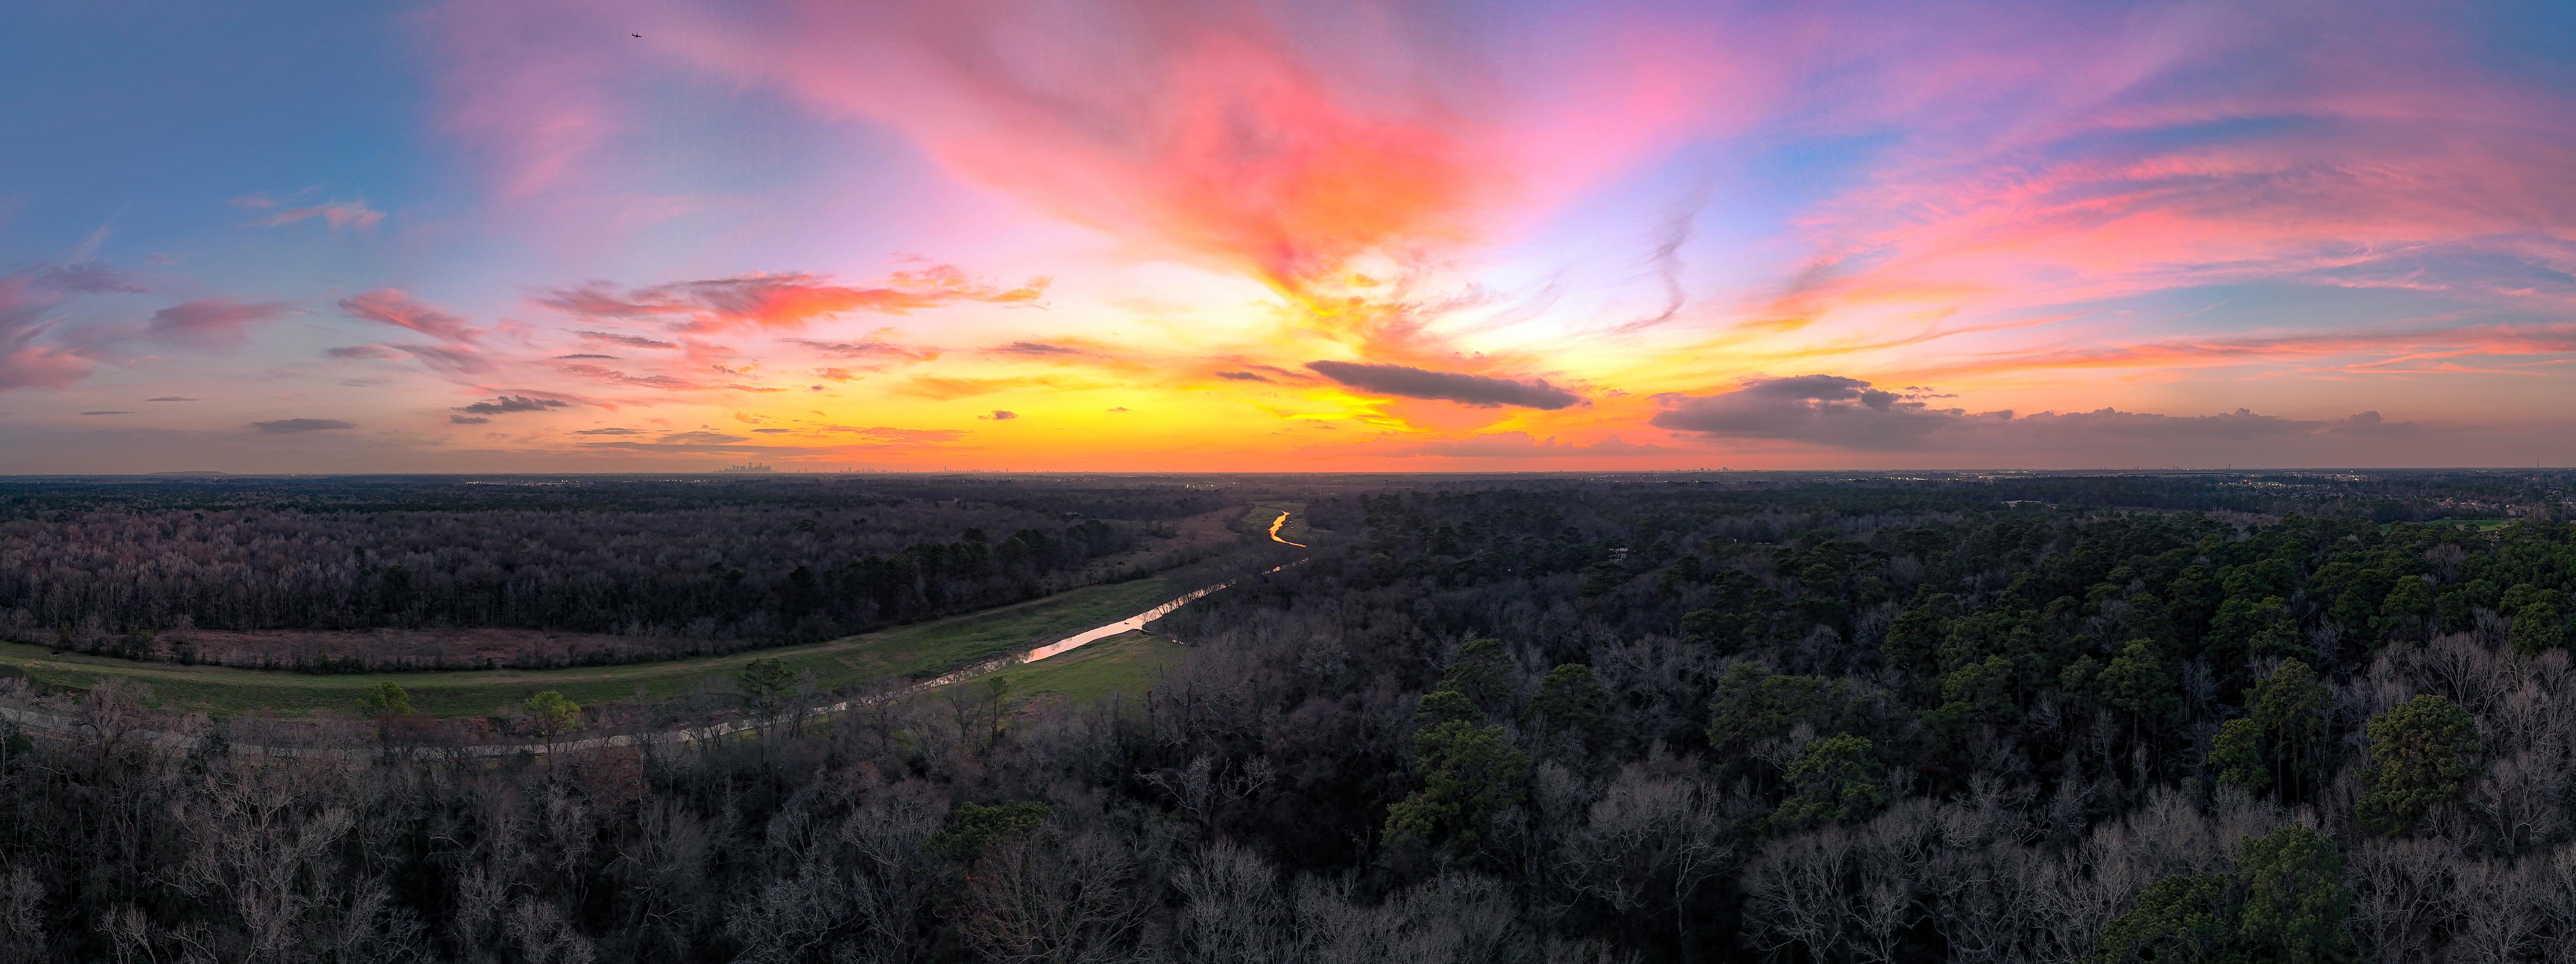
(664, 382)
(522, 87)
(630, 341)
(1985, 170)
(1204, 131)
(785, 300)
(337, 214)
(455, 360)
(946, 388)
(867, 348)
(451, 359)
(2351, 350)
(393, 307)
(1280, 141)
(23, 319)
(214, 323)
(27, 365)
(88, 277)
(2202, 146)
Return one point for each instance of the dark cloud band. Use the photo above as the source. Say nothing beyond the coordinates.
(1848, 413)
(1477, 390)
(293, 426)
(512, 403)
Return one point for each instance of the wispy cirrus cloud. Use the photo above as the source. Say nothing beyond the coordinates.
(2201, 149)
(40, 349)
(454, 361)
(27, 361)
(392, 306)
(88, 277)
(337, 214)
(1280, 143)
(2081, 205)
(520, 89)
(946, 388)
(214, 323)
(1199, 131)
(630, 341)
(784, 300)
(611, 375)
(866, 348)
(450, 359)
(916, 436)
(1039, 349)
(2397, 349)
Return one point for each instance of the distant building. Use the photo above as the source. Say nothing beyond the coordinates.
(748, 468)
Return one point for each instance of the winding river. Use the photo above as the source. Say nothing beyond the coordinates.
(1274, 531)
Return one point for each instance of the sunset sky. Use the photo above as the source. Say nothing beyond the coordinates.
(510, 235)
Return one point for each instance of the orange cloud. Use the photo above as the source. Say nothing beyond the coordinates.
(784, 300)
(945, 388)
(1974, 195)
(1199, 131)
(1340, 157)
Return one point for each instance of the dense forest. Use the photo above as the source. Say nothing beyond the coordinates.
(1546, 720)
(707, 565)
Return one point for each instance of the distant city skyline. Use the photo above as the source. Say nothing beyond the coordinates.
(665, 235)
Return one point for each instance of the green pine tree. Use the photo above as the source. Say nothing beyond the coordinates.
(2421, 754)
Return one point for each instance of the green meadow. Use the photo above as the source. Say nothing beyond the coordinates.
(1124, 666)
(911, 651)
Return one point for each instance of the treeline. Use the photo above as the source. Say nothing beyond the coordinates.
(1531, 721)
(1140, 497)
(767, 564)
(1997, 735)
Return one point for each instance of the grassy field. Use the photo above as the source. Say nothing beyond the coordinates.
(920, 649)
(1124, 665)
(2481, 525)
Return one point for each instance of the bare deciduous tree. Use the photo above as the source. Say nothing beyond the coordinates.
(1054, 896)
